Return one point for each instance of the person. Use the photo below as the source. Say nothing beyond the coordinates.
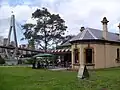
(38, 64)
(58, 62)
(33, 64)
(47, 63)
(66, 63)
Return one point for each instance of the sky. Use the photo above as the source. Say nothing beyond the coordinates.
(76, 13)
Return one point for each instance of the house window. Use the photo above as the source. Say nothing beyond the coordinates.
(88, 55)
(118, 53)
(76, 55)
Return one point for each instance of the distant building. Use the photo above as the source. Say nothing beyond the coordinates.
(5, 40)
(25, 46)
(12, 43)
(1, 40)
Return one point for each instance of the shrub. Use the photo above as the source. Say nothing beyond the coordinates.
(29, 61)
(2, 61)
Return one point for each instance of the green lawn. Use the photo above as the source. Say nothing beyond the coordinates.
(20, 78)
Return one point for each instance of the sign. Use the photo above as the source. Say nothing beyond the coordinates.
(83, 72)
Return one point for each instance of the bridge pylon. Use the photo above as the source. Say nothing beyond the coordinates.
(12, 57)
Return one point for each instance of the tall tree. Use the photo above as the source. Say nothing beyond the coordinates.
(49, 27)
(29, 34)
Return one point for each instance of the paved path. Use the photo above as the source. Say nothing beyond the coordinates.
(55, 69)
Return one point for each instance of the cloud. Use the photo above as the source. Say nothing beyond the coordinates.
(76, 13)
(4, 26)
(89, 13)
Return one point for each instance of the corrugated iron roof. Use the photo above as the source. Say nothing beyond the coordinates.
(90, 33)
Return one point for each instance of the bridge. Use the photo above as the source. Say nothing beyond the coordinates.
(11, 53)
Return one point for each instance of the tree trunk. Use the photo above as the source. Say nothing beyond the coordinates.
(31, 43)
(45, 19)
(55, 45)
(45, 43)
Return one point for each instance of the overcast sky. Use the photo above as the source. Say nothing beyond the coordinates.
(76, 13)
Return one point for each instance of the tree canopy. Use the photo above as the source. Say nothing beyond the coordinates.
(67, 38)
(49, 29)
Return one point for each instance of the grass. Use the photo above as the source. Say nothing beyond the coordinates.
(21, 78)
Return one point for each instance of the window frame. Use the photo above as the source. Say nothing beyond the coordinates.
(76, 57)
(92, 55)
(118, 55)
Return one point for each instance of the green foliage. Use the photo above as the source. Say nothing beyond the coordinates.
(2, 61)
(48, 30)
(29, 34)
(29, 61)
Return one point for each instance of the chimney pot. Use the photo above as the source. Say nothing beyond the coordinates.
(104, 21)
(119, 31)
(119, 25)
(82, 29)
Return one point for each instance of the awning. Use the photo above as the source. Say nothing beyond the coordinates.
(62, 50)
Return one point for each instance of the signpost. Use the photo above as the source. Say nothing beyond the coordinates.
(83, 72)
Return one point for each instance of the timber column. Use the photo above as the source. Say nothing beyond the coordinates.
(81, 59)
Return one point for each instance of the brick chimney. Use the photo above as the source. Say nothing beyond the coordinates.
(105, 29)
(119, 31)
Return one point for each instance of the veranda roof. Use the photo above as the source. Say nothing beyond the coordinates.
(62, 50)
